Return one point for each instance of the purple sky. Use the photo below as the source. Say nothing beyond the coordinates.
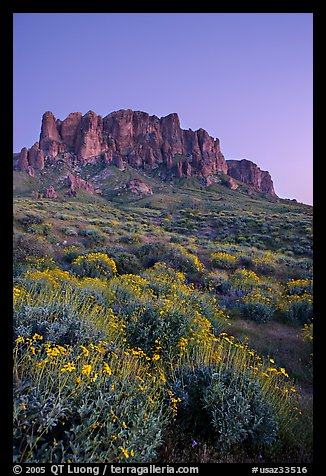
(245, 78)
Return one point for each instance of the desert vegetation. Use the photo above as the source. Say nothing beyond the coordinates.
(178, 328)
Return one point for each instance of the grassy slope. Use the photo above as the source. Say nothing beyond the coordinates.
(187, 213)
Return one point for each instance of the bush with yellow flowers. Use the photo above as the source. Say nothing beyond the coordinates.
(224, 260)
(102, 366)
(94, 265)
(88, 403)
(297, 308)
(256, 306)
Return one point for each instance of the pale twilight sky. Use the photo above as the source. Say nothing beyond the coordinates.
(245, 78)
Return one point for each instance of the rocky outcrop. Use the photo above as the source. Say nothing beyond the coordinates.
(69, 128)
(30, 159)
(139, 187)
(49, 132)
(36, 157)
(88, 139)
(22, 162)
(249, 173)
(50, 193)
(135, 138)
(74, 183)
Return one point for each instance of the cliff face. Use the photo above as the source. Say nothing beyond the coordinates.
(249, 173)
(136, 138)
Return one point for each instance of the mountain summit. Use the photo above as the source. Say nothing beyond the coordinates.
(143, 142)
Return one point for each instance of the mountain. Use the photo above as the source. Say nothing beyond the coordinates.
(144, 143)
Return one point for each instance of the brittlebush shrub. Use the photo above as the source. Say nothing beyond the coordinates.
(84, 404)
(224, 260)
(257, 307)
(161, 312)
(94, 265)
(127, 263)
(265, 264)
(223, 409)
(217, 282)
(298, 308)
(299, 286)
(174, 255)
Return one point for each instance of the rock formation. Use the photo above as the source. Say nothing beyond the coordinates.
(249, 173)
(139, 187)
(22, 162)
(74, 183)
(50, 193)
(36, 157)
(139, 140)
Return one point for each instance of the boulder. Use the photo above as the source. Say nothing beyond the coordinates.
(50, 193)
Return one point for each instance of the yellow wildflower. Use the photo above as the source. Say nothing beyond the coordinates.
(125, 452)
(85, 351)
(283, 371)
(94, 378)
(107, 369)
(33, 349)
(68, 367)
(37, 337)
(86, 370)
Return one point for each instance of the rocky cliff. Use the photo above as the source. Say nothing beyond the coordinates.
(249, 173)
(138, 139)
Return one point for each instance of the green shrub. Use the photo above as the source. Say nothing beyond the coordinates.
(92, 236)
(26, 245)
(246, 261)
(257, 307)
(70, 232)
(256, 311)
(127, 263)
(129, 239)
(244, 279)
(177, 239)
(152, 329)
(71, 253)
(223, 409)
(30, 219)
(298, 308)
(161, 313)
(217, 282)
(41, 263)
(265, 264)
(173, 255)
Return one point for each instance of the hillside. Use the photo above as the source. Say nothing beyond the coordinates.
(158, 316)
